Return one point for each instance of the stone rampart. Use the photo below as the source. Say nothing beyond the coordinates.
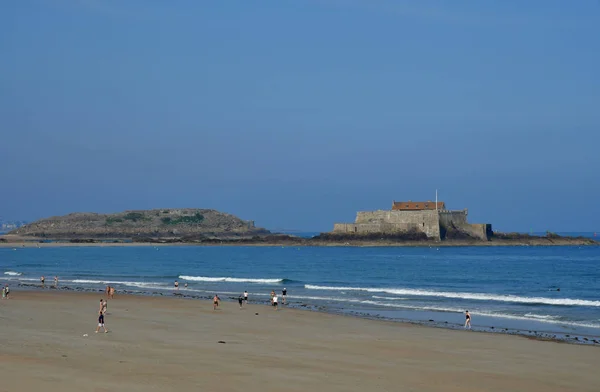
(457, 221)
(393, 222)
(435, 224)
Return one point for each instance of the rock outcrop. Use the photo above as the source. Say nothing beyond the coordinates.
(163, 223)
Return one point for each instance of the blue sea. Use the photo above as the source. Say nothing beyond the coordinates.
(549, 290)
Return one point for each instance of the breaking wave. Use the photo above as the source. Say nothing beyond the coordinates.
(474, 296)
(12, 273)
(231, 280)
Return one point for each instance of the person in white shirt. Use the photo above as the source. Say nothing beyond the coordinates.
(246, 296)
(275, 299)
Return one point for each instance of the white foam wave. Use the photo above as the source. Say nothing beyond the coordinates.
(12, 273)
(541, 316)
(390, 298)
(124, 283)
(529, 317)
(475, 296)
(228, 279)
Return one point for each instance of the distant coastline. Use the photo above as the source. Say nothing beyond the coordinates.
(323, 240)
(407, 224)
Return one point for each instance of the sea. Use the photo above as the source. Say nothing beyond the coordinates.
(549, 292)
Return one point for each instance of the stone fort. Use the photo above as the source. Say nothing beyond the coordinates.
(431, 218)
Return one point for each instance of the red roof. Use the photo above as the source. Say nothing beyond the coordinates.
(417, 205)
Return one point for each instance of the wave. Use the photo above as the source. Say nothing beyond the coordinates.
(459, 295)
(13, 273)
(230, 280)
(542, 316)
(125, 283)
(529, 317)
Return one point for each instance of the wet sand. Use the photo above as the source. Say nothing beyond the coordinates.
(169, 344)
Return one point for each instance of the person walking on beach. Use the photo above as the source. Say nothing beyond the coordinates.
(3, 293)
(246, 297)
(272, 295)
(43, 280)
(111, 292)
(56, 281)
(7, 291)
(176, 285)
(104, 307)
(284, 294)
(101, 317)
(275, 299)
(216, 300)
(468, 320)
(241, 300)
(107, 291)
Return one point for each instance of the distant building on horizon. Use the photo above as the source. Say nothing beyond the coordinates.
(428, 217)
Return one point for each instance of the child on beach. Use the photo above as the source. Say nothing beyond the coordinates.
(275, 299)
(284, 294)
(246, 297)
(7, 291)
(216, 300)
(241, 301)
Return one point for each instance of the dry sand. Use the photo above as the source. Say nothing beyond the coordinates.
(170, 344)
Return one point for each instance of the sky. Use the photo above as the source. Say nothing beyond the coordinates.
(298, 113)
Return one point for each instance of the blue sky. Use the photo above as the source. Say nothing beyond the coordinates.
(298, 113)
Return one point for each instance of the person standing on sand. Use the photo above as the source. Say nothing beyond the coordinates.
(107, 290)
(275, 299)
(284, 294)
(101, 317)
(246, 297)
(56, 281)
(7, 290)
(468, 319)
(42, 279)
(3, 293)
(104, 307)
(241, 300)
(176, 285)
(272, 295)
(111, 292)
(216, 301)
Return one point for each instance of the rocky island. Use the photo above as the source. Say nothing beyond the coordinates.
(406, 224)
(141, 225)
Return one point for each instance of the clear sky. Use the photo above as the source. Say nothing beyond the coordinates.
(298, 113)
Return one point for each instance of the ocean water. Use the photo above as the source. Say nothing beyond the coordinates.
(554, 290)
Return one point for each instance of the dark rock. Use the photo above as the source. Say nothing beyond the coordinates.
(221, 341)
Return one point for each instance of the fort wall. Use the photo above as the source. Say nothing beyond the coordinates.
(435, 224)
(457, 220)
(393, 222)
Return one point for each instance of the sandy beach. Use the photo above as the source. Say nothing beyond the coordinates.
(171, 344)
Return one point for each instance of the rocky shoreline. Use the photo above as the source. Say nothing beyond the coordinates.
(322, 240)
